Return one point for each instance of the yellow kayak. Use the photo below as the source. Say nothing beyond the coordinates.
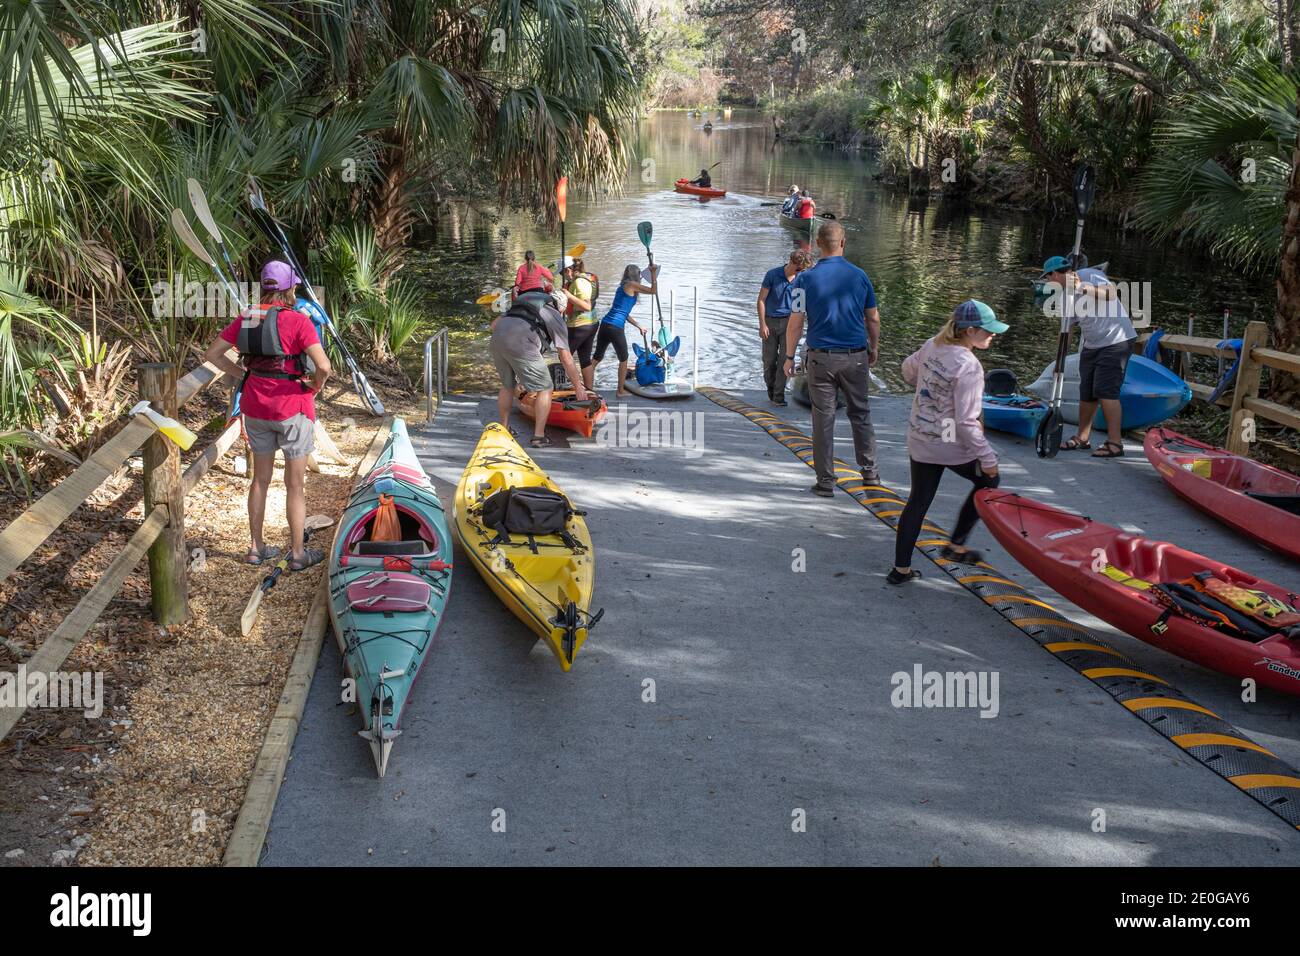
(545, 580)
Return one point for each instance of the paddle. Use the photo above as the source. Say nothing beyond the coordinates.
(711, 169)
(192, 243)
(247, 619)
(1047, 440)
(562, 203)
(646, 230)
(271, 229)
(199, 200)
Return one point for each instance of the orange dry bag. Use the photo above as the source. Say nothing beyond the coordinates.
(386, 526)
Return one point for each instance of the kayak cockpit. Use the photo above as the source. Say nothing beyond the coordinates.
(417, 535)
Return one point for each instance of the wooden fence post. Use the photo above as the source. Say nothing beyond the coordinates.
(163, 486)
(1247, 384)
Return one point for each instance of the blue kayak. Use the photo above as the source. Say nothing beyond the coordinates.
(388, 586)
(1151, 393)
(1018, 414)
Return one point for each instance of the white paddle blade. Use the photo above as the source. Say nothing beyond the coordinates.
(200, 203)
(249, 617)
(191, 241)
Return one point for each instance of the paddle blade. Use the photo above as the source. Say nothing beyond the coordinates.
(1085, 188)
(562, 196)
(199, 200)
(1047, 440)
(662, 337)
(637, 350)
(487, 299)
(249, 617)
(674, 346)
(577, 251)
(187, 236)
(645, 230)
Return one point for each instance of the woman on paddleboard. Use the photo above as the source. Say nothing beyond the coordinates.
(620, 312)
(945, 430)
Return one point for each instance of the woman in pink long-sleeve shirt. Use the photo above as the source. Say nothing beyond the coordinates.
(945, 430)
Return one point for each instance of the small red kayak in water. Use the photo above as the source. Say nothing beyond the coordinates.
(684, 186)
(1255, 499)
(1197, 610)
(580, 417)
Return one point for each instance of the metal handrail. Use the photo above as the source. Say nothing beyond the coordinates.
(435, 363)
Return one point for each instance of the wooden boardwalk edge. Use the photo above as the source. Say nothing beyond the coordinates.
(254, 821)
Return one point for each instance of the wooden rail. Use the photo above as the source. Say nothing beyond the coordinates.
(161, 533)
(1243, 400)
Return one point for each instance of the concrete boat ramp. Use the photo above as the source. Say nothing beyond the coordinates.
(736, 706)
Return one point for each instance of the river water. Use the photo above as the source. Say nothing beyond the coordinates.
(923, 257)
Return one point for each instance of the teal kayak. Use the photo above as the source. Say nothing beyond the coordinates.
(1019, 414)
(387, 596)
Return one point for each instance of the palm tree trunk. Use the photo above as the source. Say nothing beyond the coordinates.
(1286, 318)
(391, 214)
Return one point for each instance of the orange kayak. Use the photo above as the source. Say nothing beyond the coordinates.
(684, 186)
(580, 417)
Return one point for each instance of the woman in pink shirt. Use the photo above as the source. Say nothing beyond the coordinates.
(531, 277)
(945, 430)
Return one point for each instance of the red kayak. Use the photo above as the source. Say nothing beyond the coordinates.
(1254, 498)
(684, 186)
(1196, 613)
(580, 417)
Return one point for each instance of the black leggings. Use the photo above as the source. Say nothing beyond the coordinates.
(925, 484)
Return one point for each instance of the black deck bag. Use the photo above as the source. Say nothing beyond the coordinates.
(528, 511)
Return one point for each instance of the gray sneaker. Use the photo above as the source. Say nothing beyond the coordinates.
(823, 491)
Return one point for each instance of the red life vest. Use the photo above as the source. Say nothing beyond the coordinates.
(806, 208)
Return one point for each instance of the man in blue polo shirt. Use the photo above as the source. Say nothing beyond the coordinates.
(836, 299)
(773, 317)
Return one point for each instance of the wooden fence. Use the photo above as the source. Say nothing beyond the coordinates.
(161, 534)
(1243, 400)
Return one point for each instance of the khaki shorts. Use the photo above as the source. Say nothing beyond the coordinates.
(296, 436)
(532, 374)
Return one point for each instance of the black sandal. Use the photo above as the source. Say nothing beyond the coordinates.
(1076, 444)
(1103, 452)
(541, 441)
(895, 578)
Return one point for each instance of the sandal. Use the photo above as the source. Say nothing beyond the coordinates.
(1105, 452)
(964, 556)
(310, 557)
(895, 578)
(269, 552)
(1075, 444)
(541, 441)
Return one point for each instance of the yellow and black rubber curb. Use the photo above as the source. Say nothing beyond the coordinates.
(1199, 732)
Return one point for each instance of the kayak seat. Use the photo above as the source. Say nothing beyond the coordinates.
(386, 592)
(392, 547)
(1001, 382)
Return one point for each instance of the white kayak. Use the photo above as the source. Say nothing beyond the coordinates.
(671, 389)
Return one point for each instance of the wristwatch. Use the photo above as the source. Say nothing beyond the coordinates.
(789, 358)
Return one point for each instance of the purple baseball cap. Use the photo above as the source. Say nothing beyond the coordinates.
(279, 276)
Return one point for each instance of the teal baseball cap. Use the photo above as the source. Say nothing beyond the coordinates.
(975, 314)
(1055, 264)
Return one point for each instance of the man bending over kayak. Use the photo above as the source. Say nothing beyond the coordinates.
(520, 338)
(283, 366)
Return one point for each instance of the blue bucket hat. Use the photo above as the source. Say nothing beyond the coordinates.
(973, 314)
(1055, 264)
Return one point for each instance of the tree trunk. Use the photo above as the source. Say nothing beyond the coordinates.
(1286, 318)
(391, 213)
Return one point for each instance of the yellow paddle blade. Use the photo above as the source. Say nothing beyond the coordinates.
(487, 299)
(577, 251)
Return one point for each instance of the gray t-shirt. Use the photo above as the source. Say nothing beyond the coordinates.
(1103, 322)
(515, 338)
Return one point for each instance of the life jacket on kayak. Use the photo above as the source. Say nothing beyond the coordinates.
(1217, 604)
(806, 207)
(261, 350)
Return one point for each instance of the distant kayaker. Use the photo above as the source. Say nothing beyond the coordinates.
(620, 312)
(531, 277)
(791, 203)
(945, 430)
(773, 317)
(579, 290)
(283, 367)
(704, 179)
(1093, 304)
(806, 208)
(839, 305)
(520, 339)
